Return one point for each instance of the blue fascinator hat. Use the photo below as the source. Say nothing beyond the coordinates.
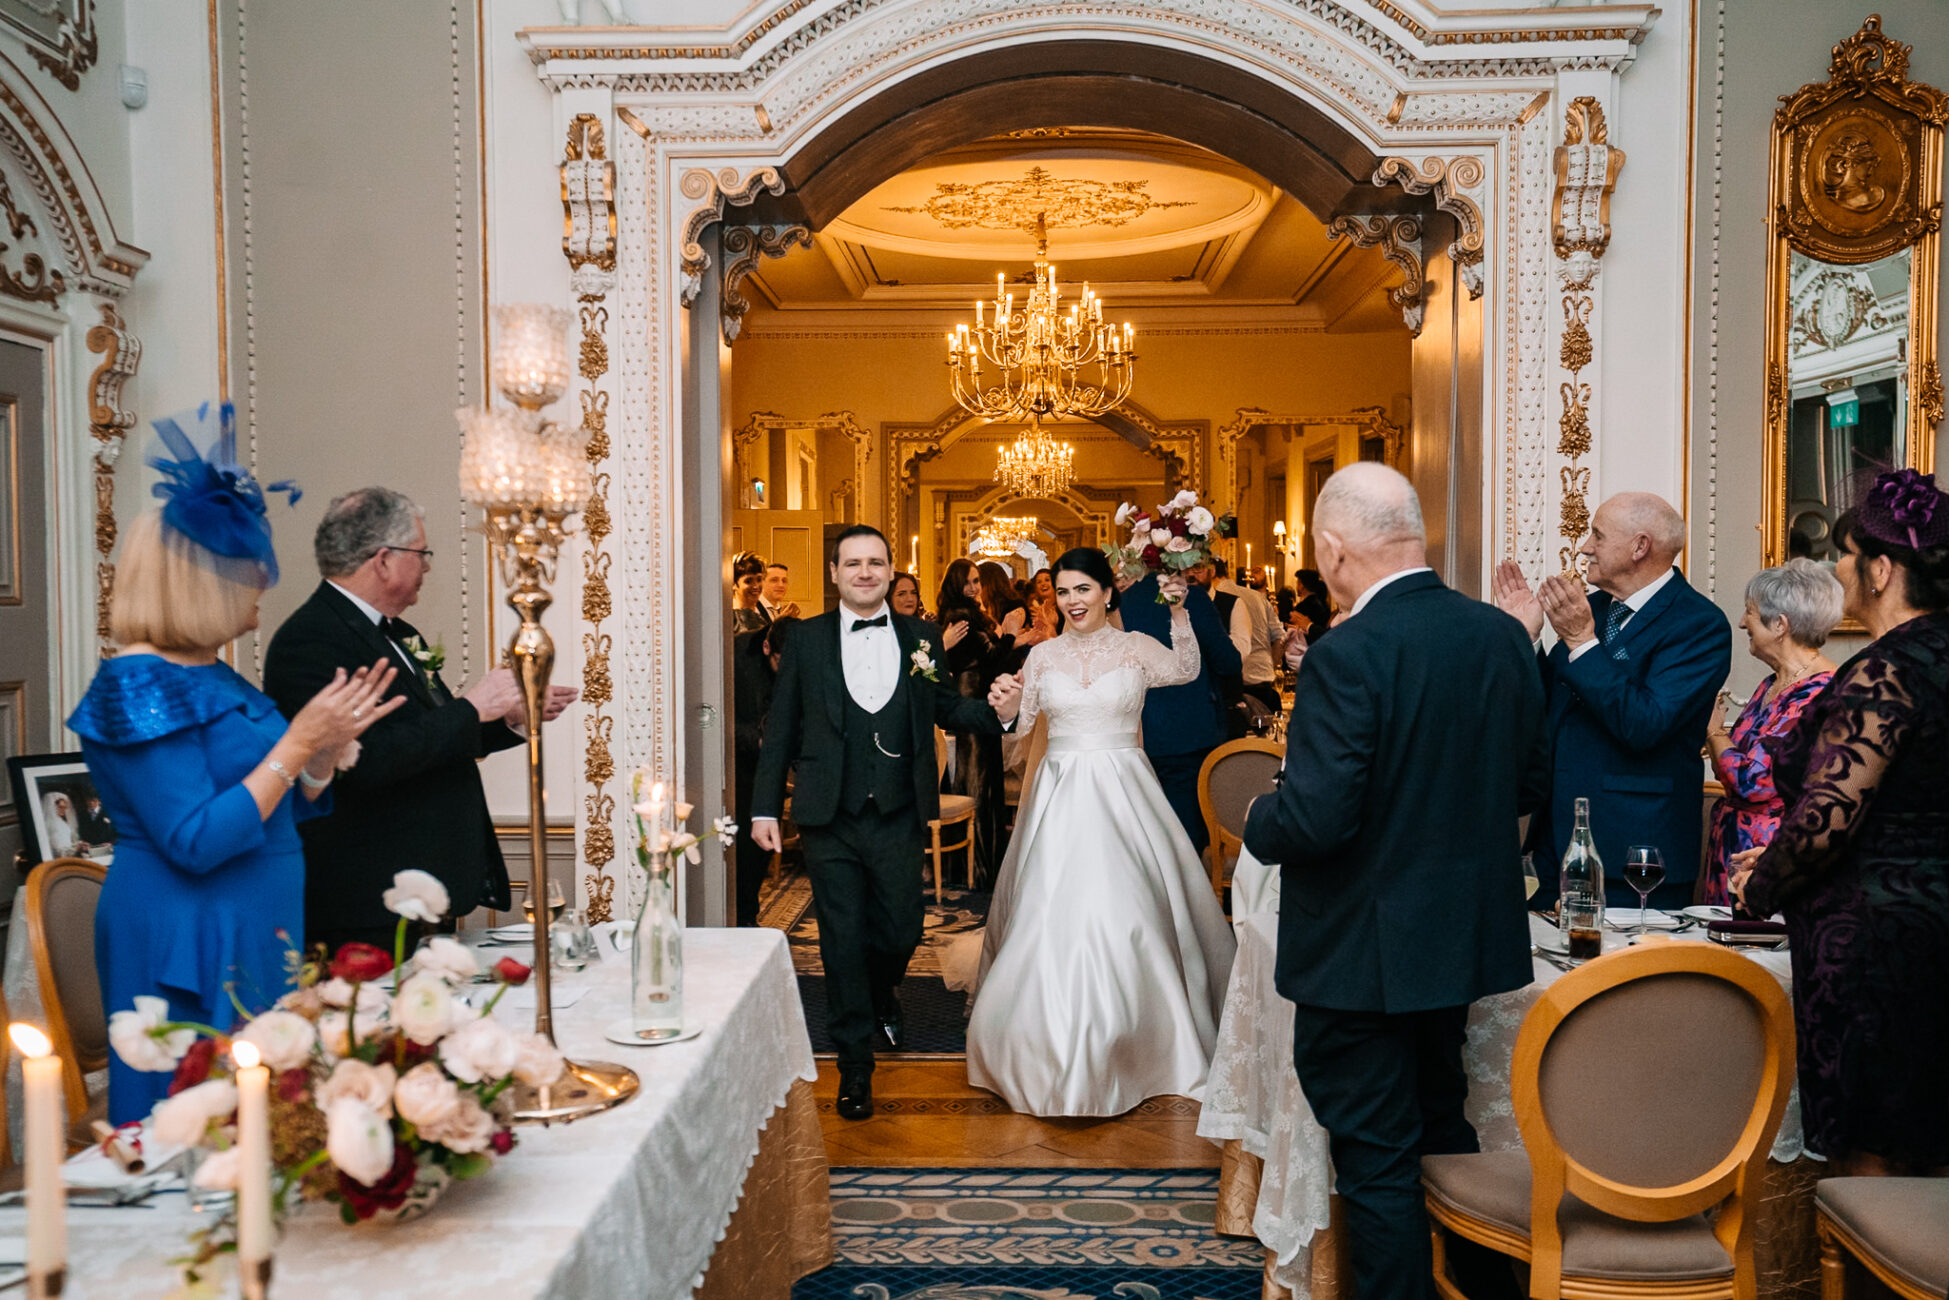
(212, 500)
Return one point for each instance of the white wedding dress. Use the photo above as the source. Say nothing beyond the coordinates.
(1104, 963)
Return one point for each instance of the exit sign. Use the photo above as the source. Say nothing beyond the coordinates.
(1844, 415)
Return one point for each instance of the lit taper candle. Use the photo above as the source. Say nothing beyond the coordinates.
(44, 1134)
(253, 1169)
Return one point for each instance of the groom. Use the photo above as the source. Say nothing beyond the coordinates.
(858, 693)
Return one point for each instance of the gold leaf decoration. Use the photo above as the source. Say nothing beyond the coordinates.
(599, 766)
(1575, 421)
(1576, 352)
(602, 896)
(1063, 202)
(595, 423)
(595, 350)
(596, 686)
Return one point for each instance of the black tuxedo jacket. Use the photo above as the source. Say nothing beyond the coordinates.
(1416, 743)
(414, 799)
(806, 729)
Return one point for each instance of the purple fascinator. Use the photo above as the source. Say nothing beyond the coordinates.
(210, 498)
(1904, 508)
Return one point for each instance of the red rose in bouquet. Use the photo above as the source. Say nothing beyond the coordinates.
(1174, 537)
(361, 963)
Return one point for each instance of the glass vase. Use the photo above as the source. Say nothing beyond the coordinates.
(656, 1003)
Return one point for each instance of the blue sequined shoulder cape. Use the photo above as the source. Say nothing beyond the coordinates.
(138, 698)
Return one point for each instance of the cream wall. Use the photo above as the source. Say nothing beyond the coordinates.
(1751, 52)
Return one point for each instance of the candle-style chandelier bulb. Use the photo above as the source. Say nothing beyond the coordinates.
(531, 353)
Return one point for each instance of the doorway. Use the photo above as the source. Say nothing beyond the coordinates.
(26, 610)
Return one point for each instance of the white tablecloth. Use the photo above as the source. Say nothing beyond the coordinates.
(630, 1202)
(1254, 1096)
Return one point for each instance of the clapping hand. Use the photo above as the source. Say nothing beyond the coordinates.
(559, 698)
(1005, 697)
(952, 634)
(341, 712)
(1014, 620)
(1514, 597)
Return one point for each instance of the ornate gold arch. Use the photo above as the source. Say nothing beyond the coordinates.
(844, 423)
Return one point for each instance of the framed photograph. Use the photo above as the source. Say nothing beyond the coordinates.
(61, 815)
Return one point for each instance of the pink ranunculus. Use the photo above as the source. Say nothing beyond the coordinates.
(1178, 545)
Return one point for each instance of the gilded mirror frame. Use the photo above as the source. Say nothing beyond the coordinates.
(1823, 205)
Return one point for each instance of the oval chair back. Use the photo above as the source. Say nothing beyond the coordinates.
(1233, 775)
(61, 899)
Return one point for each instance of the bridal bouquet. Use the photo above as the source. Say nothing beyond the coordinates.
(385, 1084)
(1176, 536)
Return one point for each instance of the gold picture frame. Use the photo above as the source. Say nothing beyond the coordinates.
(1855, 186)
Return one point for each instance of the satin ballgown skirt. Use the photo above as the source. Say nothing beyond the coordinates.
(1104, 963)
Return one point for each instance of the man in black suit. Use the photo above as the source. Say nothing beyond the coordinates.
(414, 798)
(1416, 743)
(853, 710)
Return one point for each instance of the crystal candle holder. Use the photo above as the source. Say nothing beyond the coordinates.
(531, 353)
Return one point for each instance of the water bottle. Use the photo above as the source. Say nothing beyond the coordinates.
(1580, 908)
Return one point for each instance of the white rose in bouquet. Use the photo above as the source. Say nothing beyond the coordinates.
(479, 1049)
(417, 896)
(537, 1061)
(218, 1171)
(283, 1038)
(369, 1085)
(424, 1008)
(182, 1120)
(470, 1128)
(129, 1034)
(426, 1098)
(1178, 545)
(1201, 521)
(1184, 500)
(1160, 536)
(448, 958)
(359, 1140)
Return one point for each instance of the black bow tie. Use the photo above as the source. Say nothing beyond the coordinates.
(859, 624)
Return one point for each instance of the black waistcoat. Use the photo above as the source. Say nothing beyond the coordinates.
(878, 753)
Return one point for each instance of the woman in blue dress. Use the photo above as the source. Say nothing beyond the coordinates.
(194, 764)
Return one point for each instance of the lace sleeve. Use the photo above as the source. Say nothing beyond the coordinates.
(1866, 724)
(1031, 690)
(1173, 665)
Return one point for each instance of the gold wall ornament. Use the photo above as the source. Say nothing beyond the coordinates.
(1855, 190)
(1586, 173)
(60, 34)
(35, 281)
(744, 248)
(1449, 180)
(588, 197)
(1399, 239)
(1587, 167)
(121, 356)
(1065, 203)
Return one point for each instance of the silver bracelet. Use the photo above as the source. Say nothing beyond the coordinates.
(313, 782)
(282, 773)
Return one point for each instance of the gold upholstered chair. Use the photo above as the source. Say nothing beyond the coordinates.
(1621, 1191)
(1898, 1228)
(1233, 775)
(61, 898)
(956, 810)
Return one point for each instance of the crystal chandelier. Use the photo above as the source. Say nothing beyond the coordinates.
(1046, 363)
(998, 537)
(1035, 464)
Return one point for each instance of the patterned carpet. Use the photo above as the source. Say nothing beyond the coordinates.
(1030, 1234)
(936, 1017)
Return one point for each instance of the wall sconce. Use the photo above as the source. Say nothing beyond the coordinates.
(758, 493)
(1286, 543)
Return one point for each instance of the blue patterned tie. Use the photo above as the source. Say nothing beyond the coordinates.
(1614, 623)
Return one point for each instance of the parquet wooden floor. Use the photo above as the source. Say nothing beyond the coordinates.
(927, 1113)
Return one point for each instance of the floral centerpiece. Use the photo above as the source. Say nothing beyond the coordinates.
(656, 941)
(386, 1084)
(1174, 537)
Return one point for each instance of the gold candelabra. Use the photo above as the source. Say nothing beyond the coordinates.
(528, 475)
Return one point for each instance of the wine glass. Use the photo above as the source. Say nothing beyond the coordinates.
(1531, 881)
(556, 902)
(1644, 871)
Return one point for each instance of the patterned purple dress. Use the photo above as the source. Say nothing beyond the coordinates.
(1860, 866)
(1749, 815)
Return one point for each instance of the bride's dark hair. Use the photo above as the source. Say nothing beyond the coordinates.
(1092, 564)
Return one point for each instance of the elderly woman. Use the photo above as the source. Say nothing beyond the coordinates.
(1860, 864)
(1790, 609)
(196, 767)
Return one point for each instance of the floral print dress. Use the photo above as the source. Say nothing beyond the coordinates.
(1860, 866)
(1749, 814)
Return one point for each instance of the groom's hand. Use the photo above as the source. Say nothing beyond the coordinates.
(1005, 697)
(764, 833)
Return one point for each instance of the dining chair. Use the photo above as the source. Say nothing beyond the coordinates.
(956, 810)
(61, 898)
(1233, 775)
(1618, 1192)
(1898, 1228)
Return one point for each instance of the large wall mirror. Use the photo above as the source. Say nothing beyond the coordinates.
(1853, 386)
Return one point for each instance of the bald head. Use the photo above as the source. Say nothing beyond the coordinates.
(1635, 537)
(1366, 526)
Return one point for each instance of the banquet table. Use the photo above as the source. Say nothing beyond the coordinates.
(1277, 1176)
(712, 1181)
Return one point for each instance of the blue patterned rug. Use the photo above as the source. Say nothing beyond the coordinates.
(1031, 1234)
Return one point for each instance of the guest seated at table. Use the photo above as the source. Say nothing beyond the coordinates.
(1790, 609)
(1860, 863)
(194, 764)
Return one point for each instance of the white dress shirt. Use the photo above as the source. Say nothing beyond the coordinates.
(1636, 601)
(870, 657)
(1373, 591)
(378, 621)
(1250, 630)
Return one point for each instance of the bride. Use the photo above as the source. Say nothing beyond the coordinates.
(1103, 967)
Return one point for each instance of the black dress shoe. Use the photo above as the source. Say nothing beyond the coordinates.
(855, 1094)
(893, 1028)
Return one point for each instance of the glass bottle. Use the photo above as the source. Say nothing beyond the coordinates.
(656, 1004)
(1580, 907)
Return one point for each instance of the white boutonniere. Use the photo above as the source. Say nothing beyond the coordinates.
(431, 659)
(923, 664)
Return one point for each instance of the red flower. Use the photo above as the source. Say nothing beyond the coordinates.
(502, 1141)
(292, 1085)
(1178, 526)
(360, 963)
(389, 1193)
(194, 1068)
(1153, 556)
(511, 971)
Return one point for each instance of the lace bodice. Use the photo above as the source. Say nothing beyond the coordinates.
(1093, 683)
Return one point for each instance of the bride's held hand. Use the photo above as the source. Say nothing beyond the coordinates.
(1173, 587)
(1005, 696)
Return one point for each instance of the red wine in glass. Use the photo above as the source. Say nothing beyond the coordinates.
(1644, 871)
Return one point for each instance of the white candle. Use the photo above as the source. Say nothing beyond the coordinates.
(44, 1134)
(253, 1158)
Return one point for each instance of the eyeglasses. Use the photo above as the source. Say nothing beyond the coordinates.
(424, 552)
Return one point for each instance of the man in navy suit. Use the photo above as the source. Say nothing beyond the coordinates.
(1632, 680)
(1182, 724)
